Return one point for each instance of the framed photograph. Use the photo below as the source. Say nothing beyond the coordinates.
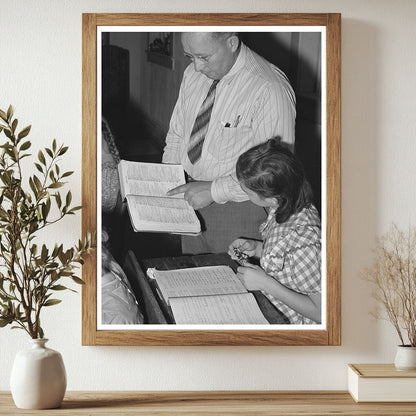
(132, 70)
(160, 48)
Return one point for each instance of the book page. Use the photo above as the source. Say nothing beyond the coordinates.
(149, 179)
(238, 309)
(198, 281)
(162, 214)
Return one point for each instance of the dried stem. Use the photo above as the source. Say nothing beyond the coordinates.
(393, 276)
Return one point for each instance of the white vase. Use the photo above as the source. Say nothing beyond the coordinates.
(405, 358)
(38, 377)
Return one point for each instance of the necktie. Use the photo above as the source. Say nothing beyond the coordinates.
(201, 124)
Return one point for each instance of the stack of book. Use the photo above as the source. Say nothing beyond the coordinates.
(381, 383)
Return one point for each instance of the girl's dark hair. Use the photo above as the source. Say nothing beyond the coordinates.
(272, 171)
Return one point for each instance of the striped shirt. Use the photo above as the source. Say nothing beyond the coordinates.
(254, 97)
(292, 255)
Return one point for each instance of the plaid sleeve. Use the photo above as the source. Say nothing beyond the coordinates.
(305, 264)
(296, 260)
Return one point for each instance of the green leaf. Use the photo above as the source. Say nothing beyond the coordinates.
(3, 115)
(49, 152)
(51, 302)
(34, 249)
(78, 280)
(10, 112)
(37, 182)
(39, 167)
(54, 145)
(25, 145)
(44, 253)
(68, 199)
(5, 321)
(77, 208)
(56, 185)
(58, 199)
(24, 132)
(58, 250)
(62, 257)
(14, 125)
(45, 210)
(41, 157)
(59, 287)
(25, 155)
(8, 133)
(40, 332)
(63, 150)
(33, 187)
(67, 174)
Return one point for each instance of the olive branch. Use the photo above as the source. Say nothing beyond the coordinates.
(30, 274)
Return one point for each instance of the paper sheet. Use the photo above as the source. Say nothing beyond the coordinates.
(149, 179)
(166, 214)
(235, 309)
(211, 280)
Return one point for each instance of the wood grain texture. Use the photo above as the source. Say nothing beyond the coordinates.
(89, 172)
(380, 371)
(332, 334)
(211, 19)
(333, 178)
(260, 403)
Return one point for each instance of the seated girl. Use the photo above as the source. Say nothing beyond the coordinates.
(290, 253)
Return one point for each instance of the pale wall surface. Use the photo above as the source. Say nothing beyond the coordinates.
(40, 74)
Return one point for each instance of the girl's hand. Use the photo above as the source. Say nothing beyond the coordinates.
(253, 277)
(243, 245)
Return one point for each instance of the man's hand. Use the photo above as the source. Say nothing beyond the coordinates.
(198, 193)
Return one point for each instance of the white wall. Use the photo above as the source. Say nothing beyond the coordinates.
(40, 73)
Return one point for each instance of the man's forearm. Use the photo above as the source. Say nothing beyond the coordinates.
(226, 189)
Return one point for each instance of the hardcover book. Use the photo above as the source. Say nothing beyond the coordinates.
(144, 186)
(381, 383)
(207, 295)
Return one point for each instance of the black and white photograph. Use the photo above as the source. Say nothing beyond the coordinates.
(199, 101)
(212, 182)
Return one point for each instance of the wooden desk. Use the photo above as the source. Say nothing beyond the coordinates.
(155, 310)
(318, 403)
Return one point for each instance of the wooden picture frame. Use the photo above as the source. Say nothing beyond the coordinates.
(330, 334)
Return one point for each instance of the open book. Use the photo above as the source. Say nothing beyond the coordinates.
(207, 295)
(144, 187)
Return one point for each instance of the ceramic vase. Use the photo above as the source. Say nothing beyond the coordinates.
(38, 377)
(405, 358)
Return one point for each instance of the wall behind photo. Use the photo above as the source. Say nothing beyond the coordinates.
(40, 74)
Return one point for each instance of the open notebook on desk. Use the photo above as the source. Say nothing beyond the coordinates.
(207, 295)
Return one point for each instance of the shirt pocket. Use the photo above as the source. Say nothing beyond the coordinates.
(229, 143)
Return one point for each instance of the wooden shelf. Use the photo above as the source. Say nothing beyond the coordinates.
(179, 403)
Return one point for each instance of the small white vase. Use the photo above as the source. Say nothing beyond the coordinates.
(405, 358)
(38, 377)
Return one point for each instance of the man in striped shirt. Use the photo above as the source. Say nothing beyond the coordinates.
(253, 101)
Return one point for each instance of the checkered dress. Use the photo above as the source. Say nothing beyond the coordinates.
(292, 255)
